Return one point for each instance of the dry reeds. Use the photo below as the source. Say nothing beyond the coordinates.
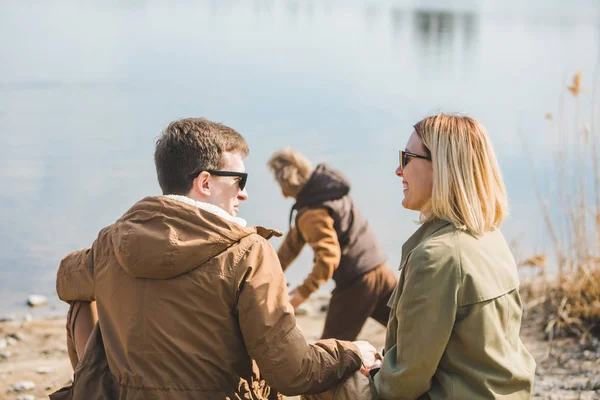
(571, 303)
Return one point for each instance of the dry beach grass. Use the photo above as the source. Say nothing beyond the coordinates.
(569, 302)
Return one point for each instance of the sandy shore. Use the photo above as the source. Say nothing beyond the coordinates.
(35, 351)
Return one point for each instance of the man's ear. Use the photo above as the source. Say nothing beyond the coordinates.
(201, 185)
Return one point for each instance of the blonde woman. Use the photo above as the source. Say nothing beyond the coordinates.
(456, 312)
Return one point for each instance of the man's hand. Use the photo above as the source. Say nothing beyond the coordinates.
(296, 298)
(370, 357)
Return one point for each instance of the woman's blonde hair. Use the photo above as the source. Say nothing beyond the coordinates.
(291, 169)
(468, 189)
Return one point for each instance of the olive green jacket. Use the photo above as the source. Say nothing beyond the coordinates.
(455, 319)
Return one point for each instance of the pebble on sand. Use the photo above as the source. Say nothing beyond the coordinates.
(3, 343)
(26, 397)
(5, 354)
(44, 370)
(36, 300)
(18, 336)
(23, 386)
(301, 311)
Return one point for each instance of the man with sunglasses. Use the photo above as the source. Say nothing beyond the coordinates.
(191, 303)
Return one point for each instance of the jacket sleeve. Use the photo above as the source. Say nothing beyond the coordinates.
(290, 248)
(287, 362)
(426, 312)
(75, 277)
(316, 225)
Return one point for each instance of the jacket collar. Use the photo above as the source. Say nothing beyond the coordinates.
(211, 208)
(324, 184)
(424, 231)
(219, 212)
(161, 238)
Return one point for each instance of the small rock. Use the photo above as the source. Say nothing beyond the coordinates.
(5, 354)
(3, 343)
(36, 300)
(17, 336)
(594, 384)
(44, 370)
(540, 370)
(11, 341)
(572, 363)
(26, 397)
(23, 386)
(8, 318)
(301, 311)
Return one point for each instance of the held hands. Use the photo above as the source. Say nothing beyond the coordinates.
(296, 298)
(370, 357)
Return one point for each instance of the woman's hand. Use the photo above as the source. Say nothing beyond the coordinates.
(370, 357)
(365, 371)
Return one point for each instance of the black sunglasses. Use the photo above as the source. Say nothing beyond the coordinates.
(405, 157)
(242, 175)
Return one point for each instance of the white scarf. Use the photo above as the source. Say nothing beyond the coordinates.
(211, 208)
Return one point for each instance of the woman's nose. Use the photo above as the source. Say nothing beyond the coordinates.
(243, 194)
(399, 171)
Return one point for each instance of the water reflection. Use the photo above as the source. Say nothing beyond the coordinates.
(444, 37)
(292, 7)
(396, 18)
(371, 14)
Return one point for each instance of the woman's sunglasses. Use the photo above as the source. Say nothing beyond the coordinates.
(405, 157)
(242, 175)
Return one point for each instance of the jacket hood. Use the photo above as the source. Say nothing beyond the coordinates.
(326, 183)
(161, 238)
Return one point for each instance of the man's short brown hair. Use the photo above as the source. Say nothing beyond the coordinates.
(192, 145)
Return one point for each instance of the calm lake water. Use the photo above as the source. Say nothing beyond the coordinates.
(86, 87)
